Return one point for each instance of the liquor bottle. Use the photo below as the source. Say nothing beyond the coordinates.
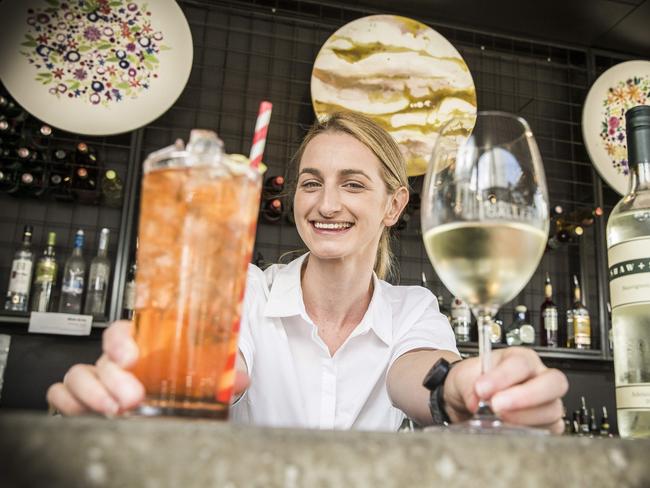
(593, 425)
(74, 274)
(41, 137)
(272, 210)
(564, 233)
(274, 185)
(461, 317)
(444, 309)
(578, 321)
(575, 423)
(9, 175)
(20, 278)
(548, 316)
(85, 155)
(628, 244)
(497, 330)
(111, 188)
(584, 217)
(98, 279)
(45, 277)
(567, 423)
(128, 303)
(512, 331)
(9, 136)
(526, 329)
(604, 424)
(32, 182)
(584, 417)
(60, 176)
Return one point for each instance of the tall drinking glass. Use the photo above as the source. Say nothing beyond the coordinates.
(197, 226)
(485, 220)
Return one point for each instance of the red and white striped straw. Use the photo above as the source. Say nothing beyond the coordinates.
(261, 129)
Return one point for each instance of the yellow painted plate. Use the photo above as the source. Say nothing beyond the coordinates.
(402, 74)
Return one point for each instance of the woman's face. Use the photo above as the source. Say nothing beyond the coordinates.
(341, 204)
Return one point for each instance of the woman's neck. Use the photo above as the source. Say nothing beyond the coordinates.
(336, 295)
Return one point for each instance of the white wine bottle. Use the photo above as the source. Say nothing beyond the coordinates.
(628, 250)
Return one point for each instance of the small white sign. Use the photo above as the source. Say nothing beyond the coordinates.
(60, 323)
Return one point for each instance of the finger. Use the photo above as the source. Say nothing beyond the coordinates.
(123, 386)
(516, 366)
(242, 381)
(551, 384)
(540, 416)
(60, 398)
(557, 427)
(118, 343)
(82, 382)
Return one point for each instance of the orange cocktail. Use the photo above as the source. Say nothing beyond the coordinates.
(197, 227)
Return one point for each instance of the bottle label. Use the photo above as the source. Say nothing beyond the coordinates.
(21, 274)
(629, 272)
(633, 396)
(99, 280)
(550, 319)
(461, 327)
(45, 272)
(581, 328)
(73, 284)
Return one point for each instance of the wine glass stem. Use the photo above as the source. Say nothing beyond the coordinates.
(484, 323)
(484, 342)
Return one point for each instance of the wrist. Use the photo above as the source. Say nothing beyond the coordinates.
(453, 401)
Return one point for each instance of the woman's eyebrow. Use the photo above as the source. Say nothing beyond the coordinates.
(348, 172)
(313, 171)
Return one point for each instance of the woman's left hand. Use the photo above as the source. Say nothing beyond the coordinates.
(521, 390)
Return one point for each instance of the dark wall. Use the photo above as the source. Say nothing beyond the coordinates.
(248, 51)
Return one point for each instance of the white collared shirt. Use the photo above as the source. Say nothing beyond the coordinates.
(295, 382)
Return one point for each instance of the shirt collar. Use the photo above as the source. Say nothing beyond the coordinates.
(285, 300)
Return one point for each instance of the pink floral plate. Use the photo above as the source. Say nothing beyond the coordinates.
(95, 67)
(603, 118)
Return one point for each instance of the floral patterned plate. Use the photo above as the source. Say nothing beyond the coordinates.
(603, 118)
(95, 67)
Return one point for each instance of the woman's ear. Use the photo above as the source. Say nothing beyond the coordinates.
(396, 204)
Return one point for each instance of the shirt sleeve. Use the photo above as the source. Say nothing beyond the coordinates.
(423, 327)
(253, 297)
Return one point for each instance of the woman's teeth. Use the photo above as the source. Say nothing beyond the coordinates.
(338, 226)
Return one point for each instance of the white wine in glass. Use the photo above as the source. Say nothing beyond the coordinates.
(485, 219)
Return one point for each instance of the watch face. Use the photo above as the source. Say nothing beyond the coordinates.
(437, 374)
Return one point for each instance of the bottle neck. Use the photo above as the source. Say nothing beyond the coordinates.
(640, 177)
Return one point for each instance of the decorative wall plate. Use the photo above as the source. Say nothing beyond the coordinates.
(603, 118)
(401, 73)
(95, 67)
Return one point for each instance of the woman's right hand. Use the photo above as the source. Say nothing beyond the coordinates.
(105, 387)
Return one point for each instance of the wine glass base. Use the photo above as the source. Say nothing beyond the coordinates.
(487, 424)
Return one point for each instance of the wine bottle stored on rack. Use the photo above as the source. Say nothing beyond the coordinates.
(549, 317)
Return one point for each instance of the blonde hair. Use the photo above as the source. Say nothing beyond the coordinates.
(381, 143)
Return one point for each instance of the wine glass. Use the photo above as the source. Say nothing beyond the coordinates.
(485, 220)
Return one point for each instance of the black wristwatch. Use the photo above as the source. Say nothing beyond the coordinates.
(434, 381)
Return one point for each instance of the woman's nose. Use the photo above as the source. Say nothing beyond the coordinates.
(330, 201)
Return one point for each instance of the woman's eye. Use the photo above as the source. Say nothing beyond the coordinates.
(354, 185)
(310, 184)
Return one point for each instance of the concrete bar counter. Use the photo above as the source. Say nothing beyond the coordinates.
(37, 450)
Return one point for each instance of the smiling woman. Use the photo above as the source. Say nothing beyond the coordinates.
(325, 342)
(374, 170)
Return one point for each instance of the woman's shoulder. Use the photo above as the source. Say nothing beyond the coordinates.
(405, 294)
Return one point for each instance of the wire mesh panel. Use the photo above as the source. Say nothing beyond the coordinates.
(245, 52)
